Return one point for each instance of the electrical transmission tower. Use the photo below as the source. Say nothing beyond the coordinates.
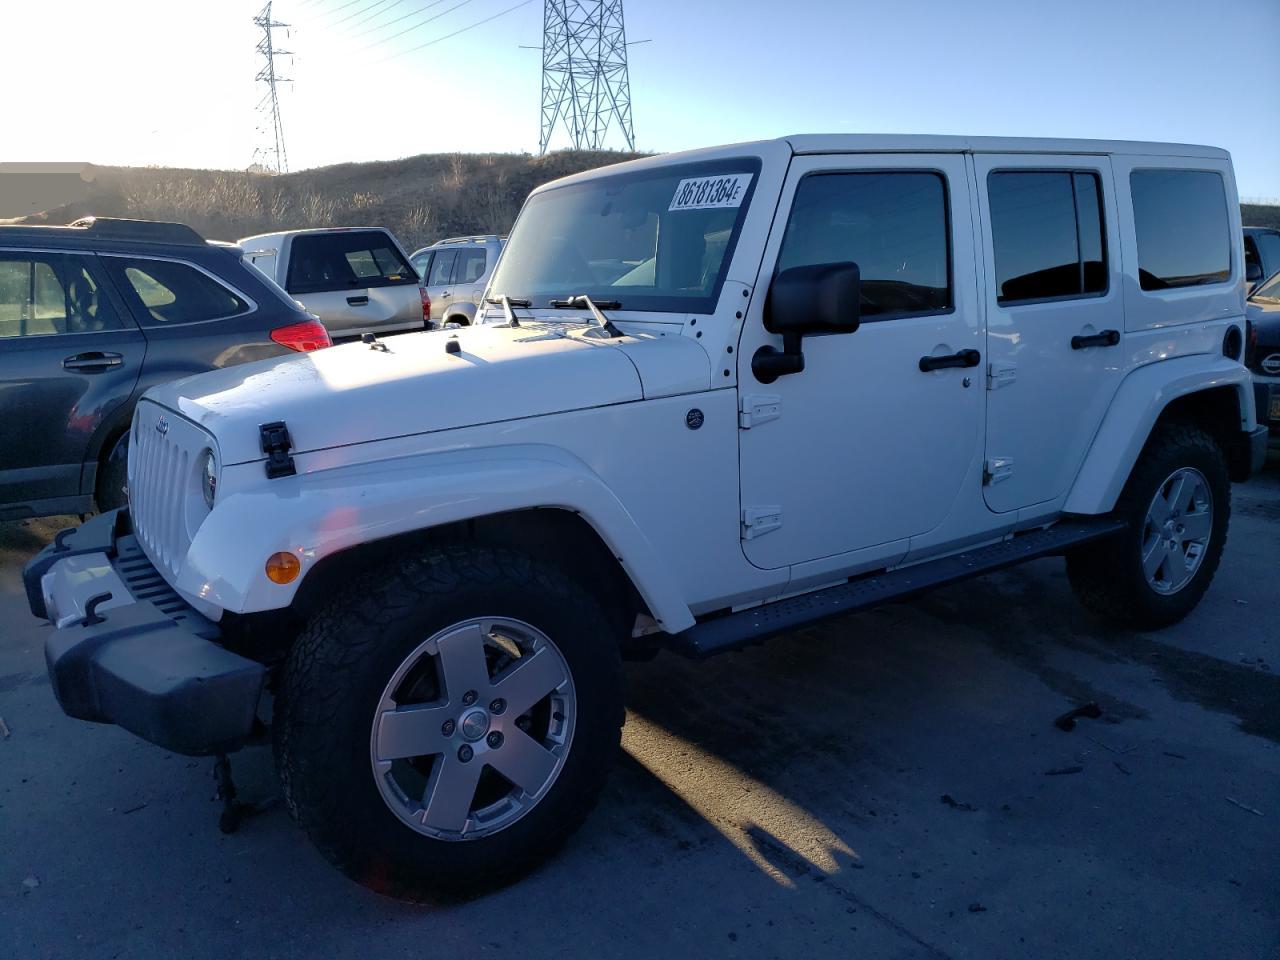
(584, 72)
(270, 103)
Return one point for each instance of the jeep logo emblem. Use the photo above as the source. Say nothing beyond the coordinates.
(162, 426)
(1271, 364)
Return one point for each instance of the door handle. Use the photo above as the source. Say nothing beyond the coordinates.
(965, 358)
(1107, 338)
(92, 361)
(357, 301)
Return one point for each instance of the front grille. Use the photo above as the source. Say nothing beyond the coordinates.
(161, 464)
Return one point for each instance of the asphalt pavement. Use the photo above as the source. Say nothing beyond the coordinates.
(889, 785)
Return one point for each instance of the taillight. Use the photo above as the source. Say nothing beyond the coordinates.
(426, 306)
(303, 337)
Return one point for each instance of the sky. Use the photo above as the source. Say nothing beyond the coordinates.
(171, 82)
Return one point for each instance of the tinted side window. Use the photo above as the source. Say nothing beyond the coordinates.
(43, 294)
(470, 265)
(442, 268)
(1184, 236)
(1047, 233)
(1269, 248)
(321, 262)
(893, 225)
(168, 293)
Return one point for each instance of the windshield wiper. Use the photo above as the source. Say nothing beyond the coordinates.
(507, 303)
(603, 322)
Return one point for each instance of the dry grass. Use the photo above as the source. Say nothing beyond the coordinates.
(421, 199)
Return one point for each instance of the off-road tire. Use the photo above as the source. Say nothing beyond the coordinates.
(338, 668)
(1107, 577)
(112, 476)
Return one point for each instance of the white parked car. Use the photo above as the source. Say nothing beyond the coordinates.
(717, 396)
(356, 279)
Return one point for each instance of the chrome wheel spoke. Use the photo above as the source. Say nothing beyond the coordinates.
(462, 663)
(411, 732)
(446, 802)
(524, 761)
(1153, 557)
(1179, 495)
(1197, 526)
(530, 680)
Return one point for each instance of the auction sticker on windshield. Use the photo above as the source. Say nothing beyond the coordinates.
(707, 193)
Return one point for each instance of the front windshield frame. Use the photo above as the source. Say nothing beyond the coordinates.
(629, 296)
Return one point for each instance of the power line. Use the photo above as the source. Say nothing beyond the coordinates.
(364, 9)
(377, 13)
(450, 36)
(405, 16)
(267, 49)
(423, 23)
(585, 81)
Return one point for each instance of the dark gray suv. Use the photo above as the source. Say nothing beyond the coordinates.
(93, 314)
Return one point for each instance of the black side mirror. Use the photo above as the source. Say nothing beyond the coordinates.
(816, 299)
(1253, 272)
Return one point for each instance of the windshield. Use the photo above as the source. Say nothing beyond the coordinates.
(660, 240)
(1269, 290)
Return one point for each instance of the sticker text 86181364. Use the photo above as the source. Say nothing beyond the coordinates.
(706, 193)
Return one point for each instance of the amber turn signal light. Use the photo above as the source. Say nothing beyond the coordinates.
(283, 567)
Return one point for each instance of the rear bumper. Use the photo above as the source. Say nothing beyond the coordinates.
(143, 658)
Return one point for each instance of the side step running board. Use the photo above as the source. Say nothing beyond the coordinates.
(734, 630)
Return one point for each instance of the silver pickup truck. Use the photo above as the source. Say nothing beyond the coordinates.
(356, 279)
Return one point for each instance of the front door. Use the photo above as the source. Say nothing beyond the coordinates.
(1055, 317)
(867, 446)
(68, 359)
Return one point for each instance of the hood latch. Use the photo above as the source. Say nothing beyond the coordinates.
(276, 444)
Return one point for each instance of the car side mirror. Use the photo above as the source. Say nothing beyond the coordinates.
(1253, 272)
(804, 301)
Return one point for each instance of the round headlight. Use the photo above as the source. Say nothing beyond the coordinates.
(209, 478)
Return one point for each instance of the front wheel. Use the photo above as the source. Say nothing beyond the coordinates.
(442, 727)
(1178, 505)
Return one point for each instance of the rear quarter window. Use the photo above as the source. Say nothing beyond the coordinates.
(324, 262)
(167, 292)
(1183, 229)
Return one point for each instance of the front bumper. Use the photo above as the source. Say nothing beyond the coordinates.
(139, 656)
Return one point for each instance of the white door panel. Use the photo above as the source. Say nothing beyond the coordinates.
(867, 449)
(1047, 397)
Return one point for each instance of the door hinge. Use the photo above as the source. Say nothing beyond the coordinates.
(1001, 373)
(276, 443)
(997, 469)
(757, 521)
(758, 408)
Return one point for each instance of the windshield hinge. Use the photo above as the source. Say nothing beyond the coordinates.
(757, 408)
(757, 521)
(276, 444)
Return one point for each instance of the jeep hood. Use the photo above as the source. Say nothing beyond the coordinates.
(359, 392)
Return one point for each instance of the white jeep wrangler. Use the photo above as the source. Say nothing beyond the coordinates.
(714, 396)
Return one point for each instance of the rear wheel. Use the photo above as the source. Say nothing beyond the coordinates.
(446, 724)
(1178, 505)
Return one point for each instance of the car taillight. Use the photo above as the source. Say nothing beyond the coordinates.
(303, 337)
(426, 306)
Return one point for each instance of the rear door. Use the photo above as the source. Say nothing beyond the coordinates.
(439, 281)
(354, 280)
(69, 357)
(1055, 319)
